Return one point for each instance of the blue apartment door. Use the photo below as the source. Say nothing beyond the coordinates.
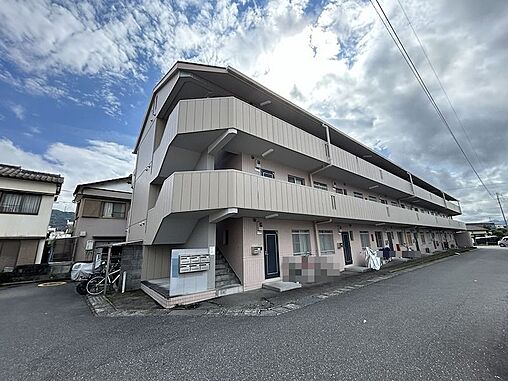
(271, 243)
(346, 245)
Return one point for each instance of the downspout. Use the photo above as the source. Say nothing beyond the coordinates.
(444, 199)
(316, 234)
(412, 184)
(328, 142)
(316, 237)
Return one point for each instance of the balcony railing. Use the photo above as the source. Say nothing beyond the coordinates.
(228, 112)
(213, 190)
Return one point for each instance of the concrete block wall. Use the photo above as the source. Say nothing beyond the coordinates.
(132, 259)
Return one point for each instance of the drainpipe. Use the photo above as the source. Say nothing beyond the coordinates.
(412, 184)
(316, 234)
(317, 171)
(444, 199)
(328, 142)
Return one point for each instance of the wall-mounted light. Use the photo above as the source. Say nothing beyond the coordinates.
(274, 215)
(374, 187)
(265, 103)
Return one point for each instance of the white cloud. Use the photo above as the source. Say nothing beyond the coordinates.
(337, 61)
(98, 160)
(18, 110)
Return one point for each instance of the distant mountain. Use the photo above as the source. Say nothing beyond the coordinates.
(59, 219)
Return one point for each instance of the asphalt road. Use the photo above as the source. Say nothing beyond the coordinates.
(445, 321)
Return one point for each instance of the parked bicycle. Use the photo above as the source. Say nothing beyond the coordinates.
(95, 285)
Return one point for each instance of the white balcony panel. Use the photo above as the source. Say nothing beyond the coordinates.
(211, 190)
(220, 113)
(209, 114)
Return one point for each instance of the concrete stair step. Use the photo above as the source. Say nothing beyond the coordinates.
(223, 272)
(226, 277)
(219, 285)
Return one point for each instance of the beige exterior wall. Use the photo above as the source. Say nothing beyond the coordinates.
(181, 183)
(213, 190)
(200, 115)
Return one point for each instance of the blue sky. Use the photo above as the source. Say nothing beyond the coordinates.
(75, 78)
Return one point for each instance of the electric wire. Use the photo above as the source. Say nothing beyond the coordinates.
(407, 58)
(424, 51)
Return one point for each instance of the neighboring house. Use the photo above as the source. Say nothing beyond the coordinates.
(102, 208)
(26, 200)
(229, 168)
(480, 229)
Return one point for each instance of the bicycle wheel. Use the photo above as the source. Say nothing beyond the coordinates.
(95, 285)
(81, 287)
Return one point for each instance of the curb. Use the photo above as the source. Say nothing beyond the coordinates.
(102, 307)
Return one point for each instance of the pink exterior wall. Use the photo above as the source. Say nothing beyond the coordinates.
(253, 265)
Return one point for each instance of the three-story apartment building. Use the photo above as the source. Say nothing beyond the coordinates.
(229, 167)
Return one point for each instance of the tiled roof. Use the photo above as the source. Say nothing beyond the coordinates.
(17, 172)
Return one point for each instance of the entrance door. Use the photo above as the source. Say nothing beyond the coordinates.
(271, 242)
(390, 240)
(416, 241)
(346, 245)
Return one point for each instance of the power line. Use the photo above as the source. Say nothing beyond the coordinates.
(478, 186)
(439, 82)
(393, 34)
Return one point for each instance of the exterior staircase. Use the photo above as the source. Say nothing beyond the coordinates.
(226, 281)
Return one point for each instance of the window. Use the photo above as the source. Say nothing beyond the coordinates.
(400, 237)
(383, 201)
(19, 203)
(301, 242)
(373, 198)
(394, 203)
(341, 191)
(403, 206)
(379, 239)
(364, 239)
(326, 242)
(267, 173)
(321, 186)
(296, 180)
(409, 239)
(358, 195)
(113, 209)
(422, 236)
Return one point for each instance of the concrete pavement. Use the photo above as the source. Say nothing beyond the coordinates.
(444, 321)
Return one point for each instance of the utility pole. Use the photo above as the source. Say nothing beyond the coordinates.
(502, 211)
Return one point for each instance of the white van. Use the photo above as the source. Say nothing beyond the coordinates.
(503, 242)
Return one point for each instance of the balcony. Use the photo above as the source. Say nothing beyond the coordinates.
(262, 131)
(187, 196)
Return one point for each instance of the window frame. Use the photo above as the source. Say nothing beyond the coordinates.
(296, 180)
(19, 207)
(264, 172)
(363, 234)
(358, 195)
(328, 233)
(113, 216)
(320, 185)
(299, 233)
